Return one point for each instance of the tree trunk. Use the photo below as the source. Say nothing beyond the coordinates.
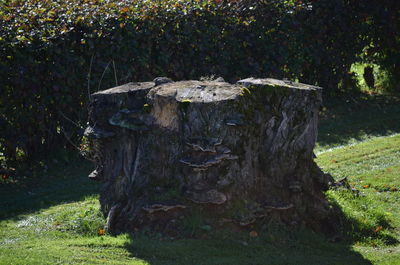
(239, 153)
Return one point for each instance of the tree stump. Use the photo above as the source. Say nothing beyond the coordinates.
(239, 153)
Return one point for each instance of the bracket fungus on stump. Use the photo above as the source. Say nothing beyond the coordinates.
(242, 152)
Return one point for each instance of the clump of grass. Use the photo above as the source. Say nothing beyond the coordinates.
(87, 221)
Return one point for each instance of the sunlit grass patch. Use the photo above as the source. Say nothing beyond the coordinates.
(371, 210)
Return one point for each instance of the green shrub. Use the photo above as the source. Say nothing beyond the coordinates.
(55, 53)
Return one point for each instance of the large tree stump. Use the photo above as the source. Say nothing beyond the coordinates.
(240, 153)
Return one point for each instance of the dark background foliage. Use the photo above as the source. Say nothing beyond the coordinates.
(54, 53)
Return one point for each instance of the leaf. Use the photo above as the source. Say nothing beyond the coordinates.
(206, 227)
(253, 234)
(101, 232)
(79, 19)
(124, 10)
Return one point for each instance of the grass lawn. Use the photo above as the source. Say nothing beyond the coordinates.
(54, 218)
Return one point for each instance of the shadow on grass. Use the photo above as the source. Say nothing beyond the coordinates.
(302, 247)
(70, 183)
(354, 231)
(353, 118)
(347, 119)
(63, 182)
(339, 124)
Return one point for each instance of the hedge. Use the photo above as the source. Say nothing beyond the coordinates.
(55, 53)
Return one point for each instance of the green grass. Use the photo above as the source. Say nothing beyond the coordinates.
(54, 218)
(371, 212)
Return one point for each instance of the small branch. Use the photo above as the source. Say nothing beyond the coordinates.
(69, 140)
(68, 119)
(75, 146)
(81, 152)
(115, 73)
(102, 75)
(89, 76)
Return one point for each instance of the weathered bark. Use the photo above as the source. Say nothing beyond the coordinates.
(240, 152)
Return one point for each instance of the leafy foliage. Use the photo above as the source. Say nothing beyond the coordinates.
(381, 31)
(55, 53)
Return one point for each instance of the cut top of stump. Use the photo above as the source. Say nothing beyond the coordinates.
(276, 83)
(197, 91)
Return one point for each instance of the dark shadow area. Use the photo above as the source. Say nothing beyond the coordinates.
(68, 182)
(62, 182)
(355, 117)
(343, 120)
(269, 247)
